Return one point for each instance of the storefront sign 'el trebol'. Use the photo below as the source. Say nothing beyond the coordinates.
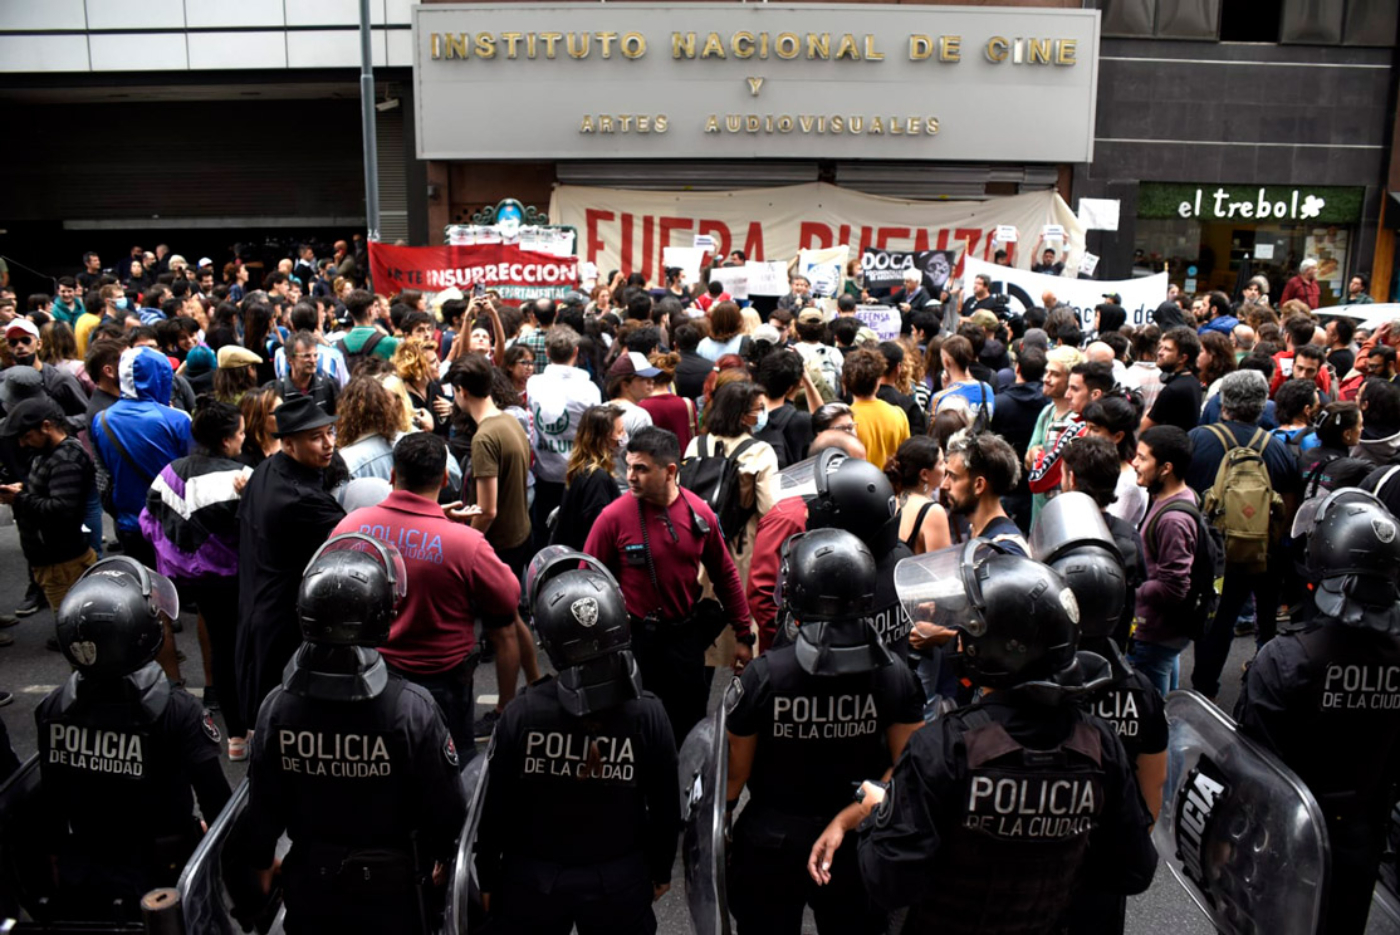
(702, 80)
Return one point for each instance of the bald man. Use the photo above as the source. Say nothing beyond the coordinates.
(1099, 352)
(1243, 338)
(787, 518)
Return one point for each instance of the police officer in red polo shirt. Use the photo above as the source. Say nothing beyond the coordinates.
(654, 543)
(454, 579)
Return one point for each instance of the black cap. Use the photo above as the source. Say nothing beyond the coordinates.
(301, 414)
(30, 414)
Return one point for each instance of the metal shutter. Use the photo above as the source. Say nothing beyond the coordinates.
(393, 176)
(699, 176)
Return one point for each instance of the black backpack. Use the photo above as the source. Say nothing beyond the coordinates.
(714, 478)
(1207, 568)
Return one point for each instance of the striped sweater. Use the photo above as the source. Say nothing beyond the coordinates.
(191, 517)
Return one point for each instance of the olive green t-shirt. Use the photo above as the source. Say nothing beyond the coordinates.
(500, 449)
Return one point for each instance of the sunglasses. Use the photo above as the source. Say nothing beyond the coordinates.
(16, 342)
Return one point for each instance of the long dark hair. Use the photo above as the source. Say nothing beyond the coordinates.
(213, 424)
(732, 401)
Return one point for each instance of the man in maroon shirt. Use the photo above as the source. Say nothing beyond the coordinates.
(787, 518)
(1304, 286)
(655, 543)
(454, 579)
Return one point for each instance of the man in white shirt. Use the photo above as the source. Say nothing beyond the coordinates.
(558, 397)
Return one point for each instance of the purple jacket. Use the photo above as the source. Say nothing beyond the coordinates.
(191, 517)
(1168, 573)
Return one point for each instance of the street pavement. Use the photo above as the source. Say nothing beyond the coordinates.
(31, 672)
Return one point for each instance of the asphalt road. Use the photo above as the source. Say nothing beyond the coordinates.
(31, 672)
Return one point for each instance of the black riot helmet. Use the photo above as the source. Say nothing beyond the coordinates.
(1353, 554)
(584, 628)
(553, 560)
(856, 496)
(1071, 536)
(110, 622)
(827, 581)
(350, 591)
(1018, 620)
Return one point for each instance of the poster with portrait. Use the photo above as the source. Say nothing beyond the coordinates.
(884, 270)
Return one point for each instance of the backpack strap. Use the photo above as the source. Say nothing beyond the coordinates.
(1385, 479)
(141, 472)
(371, 342)
(742, 447)
(1261, 437)
(1224, 436)
(1149, 534)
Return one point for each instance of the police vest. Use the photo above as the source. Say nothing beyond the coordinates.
(1129, 705)
(342, 767)
(1010, 863)
(119, 763)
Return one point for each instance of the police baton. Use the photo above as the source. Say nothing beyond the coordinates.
(162, 913)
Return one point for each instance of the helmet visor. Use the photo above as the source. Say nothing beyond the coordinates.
(1067, 520)
(800, 479)
(934, 588)
(159, 590)
(382, 552)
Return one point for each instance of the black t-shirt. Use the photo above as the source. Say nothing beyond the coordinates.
(1342, 360)
(1179, 402)
(817, 735)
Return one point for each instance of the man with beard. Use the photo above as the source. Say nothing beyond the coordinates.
(980, 469)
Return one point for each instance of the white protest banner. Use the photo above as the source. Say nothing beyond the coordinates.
(824, 269)
(1023, 289)
(884, 320)
(1088, 263)
(735, 280)
(1006, 233)
(767, 278)
(687, 258)
(627, 230)
(1098, 214)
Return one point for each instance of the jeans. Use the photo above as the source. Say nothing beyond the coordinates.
(92, 519)
(1160, 663)
(1213, 648)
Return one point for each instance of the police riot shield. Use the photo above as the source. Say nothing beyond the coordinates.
(463, 910)
(704, 769)
(1240, 832)
(24, 868)
(1387, 894)
(206, 899)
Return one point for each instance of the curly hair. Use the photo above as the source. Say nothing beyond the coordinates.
(367, 407)
(411, 361)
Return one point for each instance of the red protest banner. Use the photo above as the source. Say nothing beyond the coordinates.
(516, 274)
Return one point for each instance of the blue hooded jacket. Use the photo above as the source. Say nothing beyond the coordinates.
(151, 432)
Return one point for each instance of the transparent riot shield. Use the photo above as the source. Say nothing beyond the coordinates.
(24, 868)
(704, 773)
(1387, 894)
(1240, 832)
(464, 896)
(214, 897)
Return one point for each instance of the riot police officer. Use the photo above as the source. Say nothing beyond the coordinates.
(853, 495)
(1072, 537)
(352, 761)
(582, 800)
(998, 811)
(120, 748)
(1326, 698)
(806, 722)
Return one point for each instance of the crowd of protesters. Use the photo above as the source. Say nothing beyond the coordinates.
(229, 423)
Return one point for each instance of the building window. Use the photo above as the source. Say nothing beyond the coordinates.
(1250, 20)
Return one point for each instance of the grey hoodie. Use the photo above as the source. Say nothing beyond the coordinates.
(1378, 446)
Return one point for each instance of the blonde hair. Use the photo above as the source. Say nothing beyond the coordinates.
(1065, 356)
(751, 321)
(394, 385)
(410, 361)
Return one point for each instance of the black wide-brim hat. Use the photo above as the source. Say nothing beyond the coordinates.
(300, 415)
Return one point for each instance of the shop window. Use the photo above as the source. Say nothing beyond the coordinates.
(1188, 19)
(1310, 22)
(1250, 20)
(1205, 256)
